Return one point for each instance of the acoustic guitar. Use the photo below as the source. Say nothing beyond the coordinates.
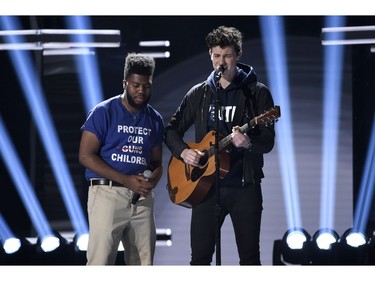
(188, 185)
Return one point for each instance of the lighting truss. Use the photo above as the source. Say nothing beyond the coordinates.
(39, 39)
(156, 43)
(348, 35)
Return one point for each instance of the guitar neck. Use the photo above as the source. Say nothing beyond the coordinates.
(243, 129)
(223, 143)
(264, 118)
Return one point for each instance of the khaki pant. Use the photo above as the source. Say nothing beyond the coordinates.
(112, 218)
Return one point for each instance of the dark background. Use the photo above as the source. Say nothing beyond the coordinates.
(186, 34)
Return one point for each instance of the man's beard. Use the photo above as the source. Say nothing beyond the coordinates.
(134, 104)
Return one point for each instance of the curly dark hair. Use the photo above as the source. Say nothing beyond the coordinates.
(139, 64)
(224, 36)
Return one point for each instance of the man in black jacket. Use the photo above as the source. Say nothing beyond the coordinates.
(234, 87)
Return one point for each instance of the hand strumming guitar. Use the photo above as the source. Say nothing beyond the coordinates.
(191, 156)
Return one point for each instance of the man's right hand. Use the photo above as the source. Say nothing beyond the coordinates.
(191, 156)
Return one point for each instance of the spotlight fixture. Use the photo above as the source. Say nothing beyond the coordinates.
(51, 242)
(294, 248)
(11, 245)
(17, 251)
(81, 241)
(295, 238)
(53, 249)
(353, 248)
(324, 247)
(79, 248)
(353, 238)
(325, 238)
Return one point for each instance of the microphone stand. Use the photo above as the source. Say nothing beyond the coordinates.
(217, 171)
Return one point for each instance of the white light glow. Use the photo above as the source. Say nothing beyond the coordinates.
(159, 43)
(20, 46)
(348, 28)
(12, 245)
(50, 243)
(165, 231)
(68, 52)
(82, 242)
(157, 54)
(44, 43)
(325, 240)
(295, 240)
(355, 239)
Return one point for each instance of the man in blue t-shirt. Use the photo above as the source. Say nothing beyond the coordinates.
(121, 149)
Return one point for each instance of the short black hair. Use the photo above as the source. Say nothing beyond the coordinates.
(225, 36)
(139, 64)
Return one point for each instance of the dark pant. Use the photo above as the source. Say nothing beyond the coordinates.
(244, 206)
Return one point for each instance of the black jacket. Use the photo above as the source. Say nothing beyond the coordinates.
(253, 96)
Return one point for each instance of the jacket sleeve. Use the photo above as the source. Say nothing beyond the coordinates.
(181, 121)
(263, 136)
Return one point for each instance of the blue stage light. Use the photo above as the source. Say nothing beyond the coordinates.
(22, 183)
(272, 28)
(366, 189)
(87, 65)
(11, 244)
(333, 61)
(32, 90)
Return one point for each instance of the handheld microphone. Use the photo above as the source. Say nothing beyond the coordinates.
(148, 175)
(219, 71)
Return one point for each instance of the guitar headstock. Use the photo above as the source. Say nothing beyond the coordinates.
(269, 116)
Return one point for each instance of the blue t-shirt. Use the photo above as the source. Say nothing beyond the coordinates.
(126, 139)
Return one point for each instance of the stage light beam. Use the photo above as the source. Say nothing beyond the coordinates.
(32, 90)
(272, 28)
(22, 183)
(11, 244)
(367, 186)
(333, 61)
(87, 65)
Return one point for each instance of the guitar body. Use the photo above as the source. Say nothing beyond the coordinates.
(188, 185)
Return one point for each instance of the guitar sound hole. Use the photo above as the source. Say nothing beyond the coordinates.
(203, 160)
(197, 173)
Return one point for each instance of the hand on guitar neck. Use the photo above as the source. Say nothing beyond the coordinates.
(239, 138)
